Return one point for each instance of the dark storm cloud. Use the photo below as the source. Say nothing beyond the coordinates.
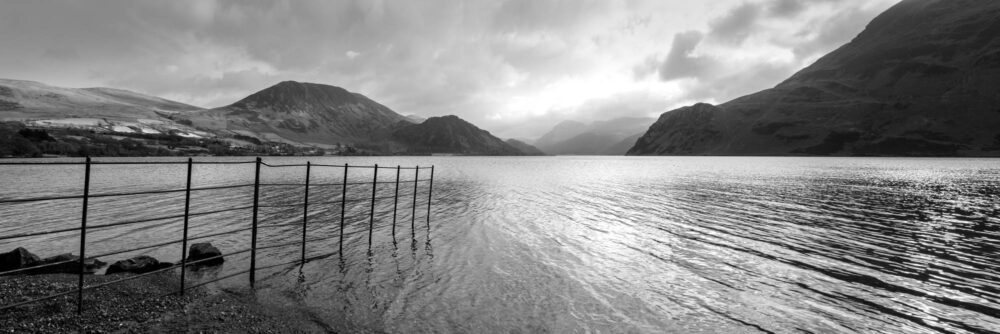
(791, 8)
(713, 76)
(737, 25)
(742, 21)
(681, 61)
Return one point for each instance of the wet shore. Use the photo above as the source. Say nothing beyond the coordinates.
(143, 305)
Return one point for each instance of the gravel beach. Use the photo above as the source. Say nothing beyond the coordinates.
(139, 306)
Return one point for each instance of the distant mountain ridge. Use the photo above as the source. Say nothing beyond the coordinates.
(415, 118)
(610, 137)
(450, 135)
(525, 148)
(305, 112)
(294, 113)
(561, 132)
(920, 80)
(24, 100)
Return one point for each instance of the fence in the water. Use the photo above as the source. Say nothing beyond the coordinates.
(187, 214)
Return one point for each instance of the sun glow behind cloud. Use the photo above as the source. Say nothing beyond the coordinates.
(514, 67)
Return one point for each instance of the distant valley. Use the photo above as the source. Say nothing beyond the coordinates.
(611, 137)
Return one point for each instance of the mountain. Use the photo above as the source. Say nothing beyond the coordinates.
(305, 113)
(920, 80)
(561, 132)
(30, 100)
(622, 147)
(294, 113)
(450, 135)
(414, 118)
(597, 138)
(525, 148)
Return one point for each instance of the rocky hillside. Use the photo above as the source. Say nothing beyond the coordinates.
(597, 138)
(450, 135)
(30, 100)
(305, 113)
(920, 80)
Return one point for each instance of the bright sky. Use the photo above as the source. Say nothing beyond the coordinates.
(513, 67)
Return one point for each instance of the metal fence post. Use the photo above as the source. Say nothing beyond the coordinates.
(187, 211)
(305, 211)
(253, 229)
(83, 237)
(395, 202)
(343, 208)
(430, 190)
(413, 215)
(371, 212)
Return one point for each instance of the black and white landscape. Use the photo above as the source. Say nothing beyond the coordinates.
(646, 166)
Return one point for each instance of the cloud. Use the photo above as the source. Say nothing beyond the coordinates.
(546, 15)
(681, 61)
(646, 67)
(833, 31)
(786, 8)
(509, 66)
(626, 104)
(61, 52)
(734, 84)
(737, 25)
(754, 46)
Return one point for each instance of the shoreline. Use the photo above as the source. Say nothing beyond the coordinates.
(139, 306)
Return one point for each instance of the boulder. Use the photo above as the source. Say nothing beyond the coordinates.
(137, 265)
(17, 259)
(68, 264)
(203, 251)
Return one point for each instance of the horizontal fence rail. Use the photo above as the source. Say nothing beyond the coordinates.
(259, 188)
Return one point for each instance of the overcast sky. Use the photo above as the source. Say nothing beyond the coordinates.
(513, 67)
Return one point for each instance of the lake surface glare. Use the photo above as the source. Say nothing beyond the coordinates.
(578, 244)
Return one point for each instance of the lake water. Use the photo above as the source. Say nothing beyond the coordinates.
(580, 244)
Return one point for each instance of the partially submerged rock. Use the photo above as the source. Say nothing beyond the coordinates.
(137, 265)
(17, 259)
(21, 258)
(68, 264)
(205, 250)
